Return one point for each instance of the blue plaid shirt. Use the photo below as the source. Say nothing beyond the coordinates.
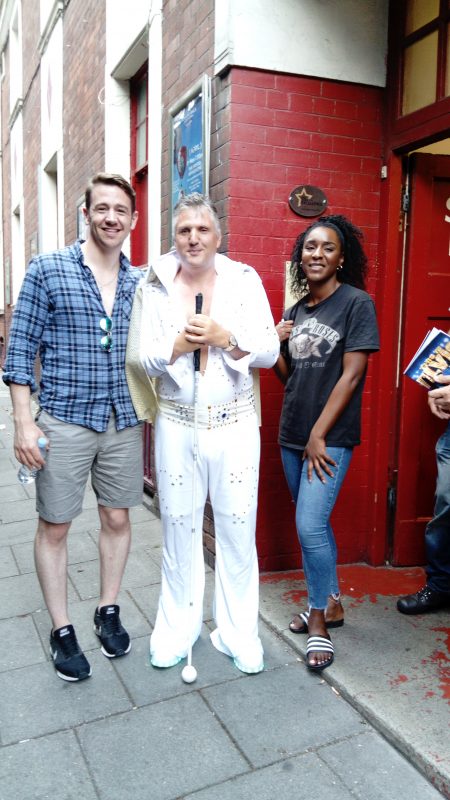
(58, 314)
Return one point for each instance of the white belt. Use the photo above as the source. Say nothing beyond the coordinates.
(214, 416)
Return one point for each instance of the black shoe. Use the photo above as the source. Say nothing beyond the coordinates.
(70, 662)
(109, 629)
(423, 601)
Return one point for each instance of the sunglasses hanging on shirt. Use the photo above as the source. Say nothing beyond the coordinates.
(106, 340)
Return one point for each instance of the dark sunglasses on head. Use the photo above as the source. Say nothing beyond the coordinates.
(106, 340)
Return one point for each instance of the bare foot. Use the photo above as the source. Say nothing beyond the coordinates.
(334, 617)
(318, 659)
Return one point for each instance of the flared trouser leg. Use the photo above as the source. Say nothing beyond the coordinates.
(233, 488)
(177, 622)
(227, 467)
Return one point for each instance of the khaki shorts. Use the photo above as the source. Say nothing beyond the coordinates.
(114, 459)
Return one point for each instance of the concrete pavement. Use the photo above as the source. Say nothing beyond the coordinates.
(373, 726)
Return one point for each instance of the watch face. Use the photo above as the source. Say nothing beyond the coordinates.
(233, 340)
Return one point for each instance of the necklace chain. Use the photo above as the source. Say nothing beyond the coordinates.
(108, 283)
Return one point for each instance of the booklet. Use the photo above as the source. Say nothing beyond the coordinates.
(431, 359)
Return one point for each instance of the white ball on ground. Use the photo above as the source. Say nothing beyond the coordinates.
(189, 674)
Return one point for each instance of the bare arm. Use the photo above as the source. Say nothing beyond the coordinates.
(281, 367)
(26, 432)
(354, 365)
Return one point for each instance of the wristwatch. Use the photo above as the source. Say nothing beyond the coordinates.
(232, 343)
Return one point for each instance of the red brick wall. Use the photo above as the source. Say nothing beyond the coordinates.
(285, 131)
(83, 112)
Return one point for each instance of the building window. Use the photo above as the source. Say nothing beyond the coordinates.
(426, 54)
(15, 59)
(17, 250)
(420, 13)
(45, 9)
(48, 238)
(139, 163)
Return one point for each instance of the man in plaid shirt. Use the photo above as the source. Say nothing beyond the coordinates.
(74, 310)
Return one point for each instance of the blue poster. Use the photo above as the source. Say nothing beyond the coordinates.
(188, 150)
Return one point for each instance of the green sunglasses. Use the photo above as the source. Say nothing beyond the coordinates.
(106, 340)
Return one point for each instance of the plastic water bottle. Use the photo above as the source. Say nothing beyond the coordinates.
(27, 475)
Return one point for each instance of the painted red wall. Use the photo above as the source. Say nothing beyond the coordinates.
(285, 131)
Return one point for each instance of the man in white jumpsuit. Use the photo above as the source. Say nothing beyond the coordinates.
(235, 333)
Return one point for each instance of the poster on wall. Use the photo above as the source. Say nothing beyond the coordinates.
(189, 144)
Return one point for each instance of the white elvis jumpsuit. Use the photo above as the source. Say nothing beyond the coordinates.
(228, 446)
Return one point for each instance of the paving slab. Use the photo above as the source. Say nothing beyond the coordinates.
(302, 713)
(19, 532)
(21, 594)
(50, 767)
(34, 702)
(10, 512)
(10, 494)
(147, 533)
(8, 474)
(8, 564)
(163, 751)
(358, 762)
(21, 644)
(146, 599)
(7, 460)
(305, 776)
(409, 725)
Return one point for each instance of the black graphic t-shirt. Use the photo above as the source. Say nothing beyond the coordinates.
(320, 336)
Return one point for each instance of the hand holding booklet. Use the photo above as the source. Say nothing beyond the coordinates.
(431, 360)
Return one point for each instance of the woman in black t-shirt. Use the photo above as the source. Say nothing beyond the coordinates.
(326, 337)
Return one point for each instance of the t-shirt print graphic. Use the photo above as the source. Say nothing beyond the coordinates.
(312, 338)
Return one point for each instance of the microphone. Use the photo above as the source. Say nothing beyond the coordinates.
(198, 310)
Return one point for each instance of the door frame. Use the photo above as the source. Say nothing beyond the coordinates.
(387, 302)
(403, 134)
(391, 316)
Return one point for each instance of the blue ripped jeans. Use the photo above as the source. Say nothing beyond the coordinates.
(314, 503)
(437, 534)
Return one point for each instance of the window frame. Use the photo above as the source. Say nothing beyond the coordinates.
(426, 122)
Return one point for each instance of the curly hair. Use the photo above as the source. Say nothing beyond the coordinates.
(354, 268)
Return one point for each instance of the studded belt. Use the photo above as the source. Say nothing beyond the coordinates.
(212, 416)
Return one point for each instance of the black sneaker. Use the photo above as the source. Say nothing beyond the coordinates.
(109, 629)
(70, 662)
